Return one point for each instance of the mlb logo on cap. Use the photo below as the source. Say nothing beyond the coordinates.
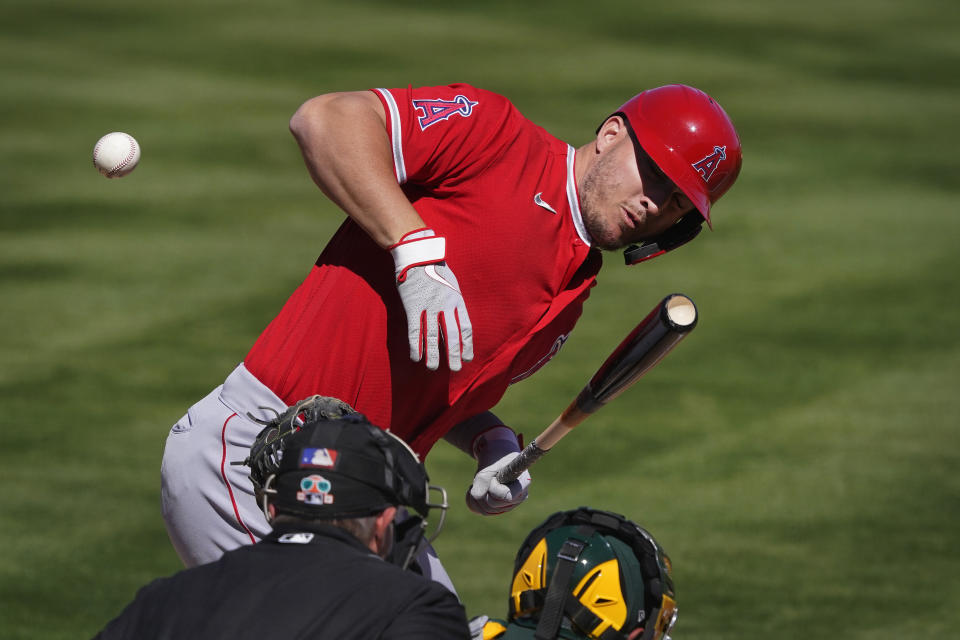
(312, 458)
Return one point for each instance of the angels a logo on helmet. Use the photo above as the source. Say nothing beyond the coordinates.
(708, 165)
(315, 489)
(435, 110)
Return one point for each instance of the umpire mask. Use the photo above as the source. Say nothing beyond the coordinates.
(313, 464)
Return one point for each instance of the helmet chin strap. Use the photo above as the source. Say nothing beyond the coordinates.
(553, 608)
(685, 230)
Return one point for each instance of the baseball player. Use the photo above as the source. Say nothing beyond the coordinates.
(472, 240)
(329, 483)
(587, 574)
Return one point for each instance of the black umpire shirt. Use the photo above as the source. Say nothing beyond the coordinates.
(316, 582)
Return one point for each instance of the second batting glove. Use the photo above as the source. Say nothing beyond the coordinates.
(432, 300)
(494, 449)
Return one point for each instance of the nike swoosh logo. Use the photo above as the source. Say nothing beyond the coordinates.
(431, 272)
(537, 200)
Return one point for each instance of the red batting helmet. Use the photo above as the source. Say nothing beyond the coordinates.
(690, 137)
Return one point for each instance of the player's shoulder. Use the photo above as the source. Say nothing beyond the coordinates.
(486, 98)
(459, 88)
(437, 103)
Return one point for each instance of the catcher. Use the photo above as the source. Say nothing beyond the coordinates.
(330, 484)
(587, 574)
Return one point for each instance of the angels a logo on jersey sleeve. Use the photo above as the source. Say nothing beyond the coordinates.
(708, 165)
(434, 110)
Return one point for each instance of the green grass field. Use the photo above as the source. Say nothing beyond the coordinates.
(797, 455)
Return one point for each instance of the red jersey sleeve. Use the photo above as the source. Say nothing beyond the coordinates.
(441, 135)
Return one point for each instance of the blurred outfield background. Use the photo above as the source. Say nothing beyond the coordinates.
(797, 456)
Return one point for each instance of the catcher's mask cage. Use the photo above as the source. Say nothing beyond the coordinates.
(587, 573)
(321, 460)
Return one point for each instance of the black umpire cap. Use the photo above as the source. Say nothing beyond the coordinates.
(341, 466)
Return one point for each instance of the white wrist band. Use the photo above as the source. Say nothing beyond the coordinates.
(418, 252)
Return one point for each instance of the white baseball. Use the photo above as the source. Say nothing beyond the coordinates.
(116, 154)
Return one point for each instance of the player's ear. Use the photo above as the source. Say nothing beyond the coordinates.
(609, 132)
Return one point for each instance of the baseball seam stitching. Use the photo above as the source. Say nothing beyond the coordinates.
(130, 154)
(123, 163)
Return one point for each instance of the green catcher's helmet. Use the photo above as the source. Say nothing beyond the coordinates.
(587, 573)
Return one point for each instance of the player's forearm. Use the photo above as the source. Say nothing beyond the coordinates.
(345, 146)
(464, 435)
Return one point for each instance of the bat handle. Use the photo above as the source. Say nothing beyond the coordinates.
(530, 454)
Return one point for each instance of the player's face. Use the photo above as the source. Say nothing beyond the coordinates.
(625, 198)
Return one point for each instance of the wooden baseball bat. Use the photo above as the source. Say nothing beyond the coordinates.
(656, 335)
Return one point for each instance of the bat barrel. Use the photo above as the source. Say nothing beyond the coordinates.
(668, 323)
(658, 333)
(679, 312)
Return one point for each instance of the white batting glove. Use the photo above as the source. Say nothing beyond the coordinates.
(494, 449)
(431, 296)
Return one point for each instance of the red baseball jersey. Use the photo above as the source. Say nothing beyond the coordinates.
(502, 192)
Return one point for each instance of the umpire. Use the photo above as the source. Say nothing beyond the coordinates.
(330, 484)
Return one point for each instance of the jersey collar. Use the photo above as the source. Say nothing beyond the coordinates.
(573, 199)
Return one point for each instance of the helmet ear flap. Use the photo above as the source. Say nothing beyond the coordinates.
(683, 231)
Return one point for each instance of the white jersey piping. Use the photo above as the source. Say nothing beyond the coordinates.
(396, 142)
